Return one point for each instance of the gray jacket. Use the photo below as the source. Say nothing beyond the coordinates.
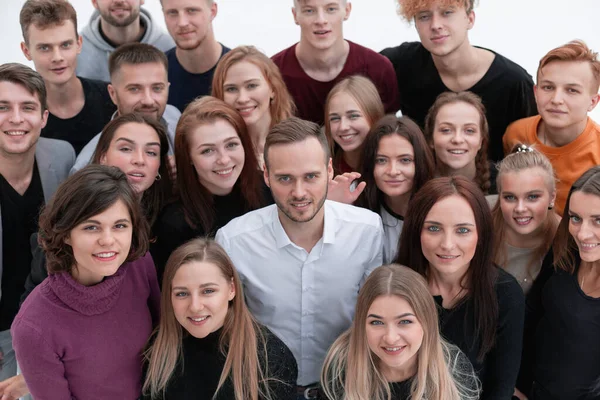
(92, 62)
(54, 160)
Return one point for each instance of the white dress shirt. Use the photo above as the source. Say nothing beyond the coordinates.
(392, 228)
(306, 299)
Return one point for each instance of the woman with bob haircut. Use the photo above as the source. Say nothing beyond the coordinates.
(567, 310)
(396, 163)
(249, 81)
(456, 128)
(353, 105)
(207, 344)
(81, 332)
(448, 239)
(394, 351)
(217, 176)
(138, 145)
(524, 223)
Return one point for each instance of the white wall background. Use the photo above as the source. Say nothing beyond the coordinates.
(522, 30)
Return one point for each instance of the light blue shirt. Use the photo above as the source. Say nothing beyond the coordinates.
(306, 299)
(392, 228)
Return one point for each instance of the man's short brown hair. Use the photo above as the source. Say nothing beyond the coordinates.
(135, 54)
(32, 81)
(44, 14)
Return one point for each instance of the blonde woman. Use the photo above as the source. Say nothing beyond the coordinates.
(394, 351)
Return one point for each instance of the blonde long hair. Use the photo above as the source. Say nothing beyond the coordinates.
(240, 333)
(351, 370)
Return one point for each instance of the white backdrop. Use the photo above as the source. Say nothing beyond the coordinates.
(522, 30)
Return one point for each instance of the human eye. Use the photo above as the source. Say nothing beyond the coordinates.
(406, 160)
(405, 322)
(43, 47)
(547, 87)
(121, 225)
(181, 293)
(158, 88)
(574, 219)
(171, 13)
(284, 179)
(28, 108)
(462, 230)
(208, 291)
(448, 12)
(4, 108)
(423, 17)
(311, 177)
(307, 11)
(66, 45)
(232, 145)
(90, 228)
(133, 89)
(376, 322)
(509, 197)
(230, 89)
(334, 118)
(533, 197)
(471, 131)
(380, 160)
(125, 149)
(152, 153)
(445, 130)
(206, 151)
(597, 221)
(332, 9)
(433, 228)
(572, 90)
(252, 85)
(192, 10)
(355, 116)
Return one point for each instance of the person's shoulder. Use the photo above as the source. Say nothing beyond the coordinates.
(510, 70)
(406, 52)
(508, 290)
(249, 222)
(172, 218)
(94, 85)
(280, 58)
(520, 127)
(351, 214)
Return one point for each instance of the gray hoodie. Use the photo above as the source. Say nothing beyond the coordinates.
(92, 63)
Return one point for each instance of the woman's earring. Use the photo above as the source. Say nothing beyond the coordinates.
(158, 177)
(551, 206)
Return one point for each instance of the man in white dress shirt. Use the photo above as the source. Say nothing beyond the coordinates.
(303, 259)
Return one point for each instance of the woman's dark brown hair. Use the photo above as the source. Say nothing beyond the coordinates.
(161, 190)
(196, 200)
(87, 193)
(565, 249)
(482, 166)
(372, 197)
(481, 275)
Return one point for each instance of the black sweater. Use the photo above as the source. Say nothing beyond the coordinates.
(197, 375)
(499, 369)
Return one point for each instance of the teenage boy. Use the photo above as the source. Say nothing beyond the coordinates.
(114, 23)
(138, 83)
(303, 259)
(78, 107)
(193, 60)
(31, 168)
(444, 60)
(568, 78)
(311, 67)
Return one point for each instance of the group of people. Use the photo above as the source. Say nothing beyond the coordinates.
(182, 220)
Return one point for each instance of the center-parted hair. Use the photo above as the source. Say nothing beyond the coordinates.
(161, 190)
(408, 9)
(282, 106)
(351, 371)
(31, 80)
(87, 193)
(45, 14)
(404, 127)
(241, 339)
(295, 130)
(196, 200)
(135, 54)
(481, 274)
(482, 176)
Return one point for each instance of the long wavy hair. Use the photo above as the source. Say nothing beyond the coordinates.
(372, 196)
(241, 342)
(352, 371)
(197, 201)
(161, 191)
(482, 166)
(565, 249)
(519, 161)
(481, 275)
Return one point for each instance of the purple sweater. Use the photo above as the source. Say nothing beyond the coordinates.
(77, 342)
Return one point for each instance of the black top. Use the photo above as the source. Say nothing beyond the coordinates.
(19, 221)
(566, 361)
(499, 369)
(96, 112)
(186, 86)
(506, 90)
(197, 377)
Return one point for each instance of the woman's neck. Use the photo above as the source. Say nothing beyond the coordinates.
(528, 241)
(468, 171)
(402, 373)
(451, 287)
(398, 204)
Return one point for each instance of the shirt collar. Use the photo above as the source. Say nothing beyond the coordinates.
(329, 227)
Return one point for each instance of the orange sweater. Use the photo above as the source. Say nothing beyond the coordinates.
(569, 161)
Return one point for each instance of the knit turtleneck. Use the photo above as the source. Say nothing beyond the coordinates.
(87, 300)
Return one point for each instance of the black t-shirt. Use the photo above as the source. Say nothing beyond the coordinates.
(19, 222)
(185, 86)
(96, 112)
(506, 90)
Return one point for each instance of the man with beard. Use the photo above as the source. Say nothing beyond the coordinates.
(303, 259)
(138, 83)
(193, 60)
(116, 22)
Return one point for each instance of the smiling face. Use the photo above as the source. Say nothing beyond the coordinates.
(21, 119)
(443, 29)
(142, 88)
(53, 51)
(457, 136)
(524, 200)
(394, 335)
(584, 224)
(246, 89)
(449, 236)
(189, 22)
(135, 150)
(394, 166)
(101, 244)
(348, 123)
(118, 13)
(321, 21)
(200, 295)
(218, 156)
(565, 93)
